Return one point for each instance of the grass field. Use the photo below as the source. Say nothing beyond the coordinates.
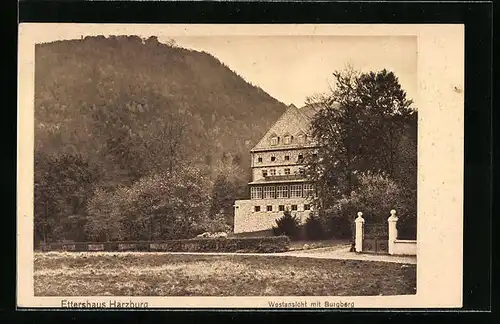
(159, 274)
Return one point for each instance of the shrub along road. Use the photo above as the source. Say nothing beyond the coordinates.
(167, 274)
(333, 253)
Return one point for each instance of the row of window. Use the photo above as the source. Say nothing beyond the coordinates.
(269, 208)
(282, 191)
(300, 157)
(288, 139)
(286, 171)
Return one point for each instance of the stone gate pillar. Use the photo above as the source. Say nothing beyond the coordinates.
(393, 231)
(360, 222)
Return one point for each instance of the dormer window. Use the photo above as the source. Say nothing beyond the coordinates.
(287, 139)
(274, 140)
(302, 138)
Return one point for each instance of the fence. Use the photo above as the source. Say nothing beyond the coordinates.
(373, 238)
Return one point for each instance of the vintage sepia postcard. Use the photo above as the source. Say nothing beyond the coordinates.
(240, 166)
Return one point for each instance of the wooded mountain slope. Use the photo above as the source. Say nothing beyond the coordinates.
(85, 85)
(123, 108)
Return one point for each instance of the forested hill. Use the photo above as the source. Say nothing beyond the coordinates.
(112, 110)
(129, 82)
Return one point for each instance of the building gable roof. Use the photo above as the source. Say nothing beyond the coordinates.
(292, 122)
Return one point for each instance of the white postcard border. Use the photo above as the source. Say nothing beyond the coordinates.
(440, 104)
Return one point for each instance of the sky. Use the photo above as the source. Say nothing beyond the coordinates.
(293, 67)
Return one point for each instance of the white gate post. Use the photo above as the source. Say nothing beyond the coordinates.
(360, 222)
(393, 231)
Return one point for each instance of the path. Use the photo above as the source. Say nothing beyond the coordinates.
(333, 252)
(342, 252)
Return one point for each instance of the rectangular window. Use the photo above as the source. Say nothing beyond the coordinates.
(308, 190)
(307, 207)
(264, 173)
(287, 157)
(295, 191)
(272, 172)
(256, 208)
(282, 191)
(287, 139)
(300, 157)
(256, 193)
(269, 192)
(269, 208)
(273, 158)
(287, 171)
(281, 207)
(259, 159)
(294, 207)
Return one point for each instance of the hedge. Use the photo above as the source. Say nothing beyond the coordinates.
(242, 245)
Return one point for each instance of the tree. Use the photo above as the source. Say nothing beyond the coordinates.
(314, 228)
(287, 225)
(336, 128)
(104, 220)
(364, 124)
(222, 199)
(361, 125)
(160, 206)
(63, 183)
(214, 223)
(229, 185)
(141, 135)
(134, 108)
(375, 195)
(388, 114)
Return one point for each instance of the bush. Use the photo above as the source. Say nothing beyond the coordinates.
(160, 206)
(407, 223)
(340, 227)
(287, 225)
(215, 224)
(375, 196)
(314, 228)
(326, 224)
(247, 244)
(407, 227)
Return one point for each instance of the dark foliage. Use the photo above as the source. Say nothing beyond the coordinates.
(407, 228)
(288, 225)
(248, 245)
(366, 125)
(340, 227)
(110, 111)
(314, 228)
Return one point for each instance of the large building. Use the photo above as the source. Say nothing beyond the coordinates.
(278, 181)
